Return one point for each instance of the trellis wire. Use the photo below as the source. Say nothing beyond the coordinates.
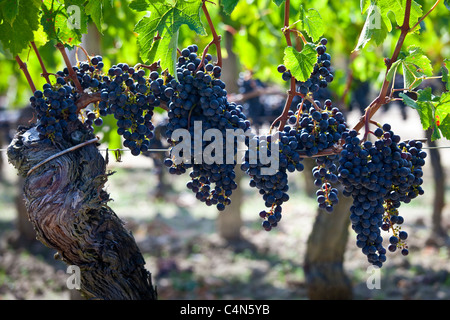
(167, 150)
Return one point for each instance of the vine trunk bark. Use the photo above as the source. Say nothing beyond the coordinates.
(68, 208)
(438, 234)
(325, 274)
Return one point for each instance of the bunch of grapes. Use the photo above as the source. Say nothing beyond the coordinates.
(131, 96)
(311, 130)
(380, 176)
(325, 176)
(199, 96)
(55, 108)
(320, 129)
(321, 75)
(126, 93)
(272, 185)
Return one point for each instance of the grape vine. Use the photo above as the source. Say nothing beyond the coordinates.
(378, 175)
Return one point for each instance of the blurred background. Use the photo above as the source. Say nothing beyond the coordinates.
(195, 252)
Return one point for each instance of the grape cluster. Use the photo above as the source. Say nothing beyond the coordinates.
(274, 186)
(199, 97)
(55, 108)
(125, 92)
(380, 176)
(131, 96)
(321, 75)
(310, 130)
(325, 175)
(317, 128)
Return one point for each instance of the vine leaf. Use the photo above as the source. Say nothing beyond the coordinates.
(374, 28)
(415, 66)
(445, 77)
(10, 10)
(94, 8)
(64, 22)
(312, 23)
(229, 5)
(158, 33)
(434, 112)
(378, 21)
(17, 30)
(393, 70)
(301, 64)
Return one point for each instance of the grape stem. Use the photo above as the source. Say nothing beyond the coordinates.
(292, 90)
(86, 99)
(84, 51)
(23, 67)
(216, 37)
(72, 73)
(242, 97)
(152, 67)
(205, 51)
(424, 16)
(298, 33)
(45, 74)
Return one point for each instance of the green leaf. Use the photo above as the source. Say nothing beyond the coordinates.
(312, 23)
(158, 33)
(397, 7)
(443, 106)
(300, 63)
(423, 106)
(66, 22)
(393, 70)
(435, 135)
(434, 112)
(229, 5)
(411, 78)
(10, 10)
(444, 127)
(94, 8)
(415, 65)
(16, 36)
(378, 22)
(445, 77)
(374, 28)
(364, 4)
(420, 60)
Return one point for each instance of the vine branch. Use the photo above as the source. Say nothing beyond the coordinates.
(381, 98)
(425, 15)
(216, 37)
(292, 90)
(45, 74)
(23, 67)
(72, 73)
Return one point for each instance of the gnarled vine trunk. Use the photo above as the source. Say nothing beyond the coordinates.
(68, 208)
(324, 260)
